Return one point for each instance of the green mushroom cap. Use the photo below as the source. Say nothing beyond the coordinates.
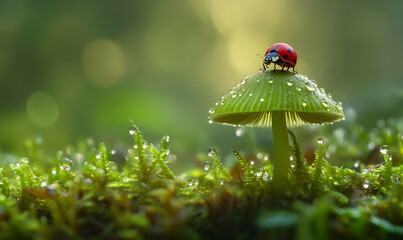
(253, 101)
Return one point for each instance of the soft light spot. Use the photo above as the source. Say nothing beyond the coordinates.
(104, 63)
(42, 109)
(239, 132)
(230, 15)
(242, 54)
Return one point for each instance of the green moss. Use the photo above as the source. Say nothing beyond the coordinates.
(85, 192)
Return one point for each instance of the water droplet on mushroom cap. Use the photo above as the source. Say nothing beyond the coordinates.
(291, 93)
(310, 85)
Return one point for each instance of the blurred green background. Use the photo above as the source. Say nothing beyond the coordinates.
(71, 70)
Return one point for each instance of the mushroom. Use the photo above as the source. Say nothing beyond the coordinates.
(279, 99)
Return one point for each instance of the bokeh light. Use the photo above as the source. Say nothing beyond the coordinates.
(42, 109)
(104, 63)
(162, 65)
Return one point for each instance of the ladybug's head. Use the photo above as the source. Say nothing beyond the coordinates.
(271, 57)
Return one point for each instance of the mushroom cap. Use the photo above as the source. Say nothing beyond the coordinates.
(255, 98)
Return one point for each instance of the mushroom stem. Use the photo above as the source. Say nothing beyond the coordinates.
(281, 163)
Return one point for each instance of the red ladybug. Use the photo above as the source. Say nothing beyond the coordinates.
(281, 54)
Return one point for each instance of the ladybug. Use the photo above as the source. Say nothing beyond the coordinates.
(281, 54)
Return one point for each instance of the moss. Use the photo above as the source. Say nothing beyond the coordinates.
(86, 193)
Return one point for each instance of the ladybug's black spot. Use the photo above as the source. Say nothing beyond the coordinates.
(289, 50)
(285, 56)
(295, 60)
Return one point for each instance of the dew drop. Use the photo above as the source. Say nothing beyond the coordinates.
(207, 166)
(270, 81)
(310, 85)
(320, 140)
(210, 121)
(211, 111)
(212, 152)
(250, 94)
(339, 106)
(133, 130)
(243, 81)
(324, 103)
(289, 84)
(304, 104)
(384, 149)
(43, 184)
(252, 162)
(357, 164)
(299, 89)
(322, 90)
(262, 99)
(66, 164)
(233, 95)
